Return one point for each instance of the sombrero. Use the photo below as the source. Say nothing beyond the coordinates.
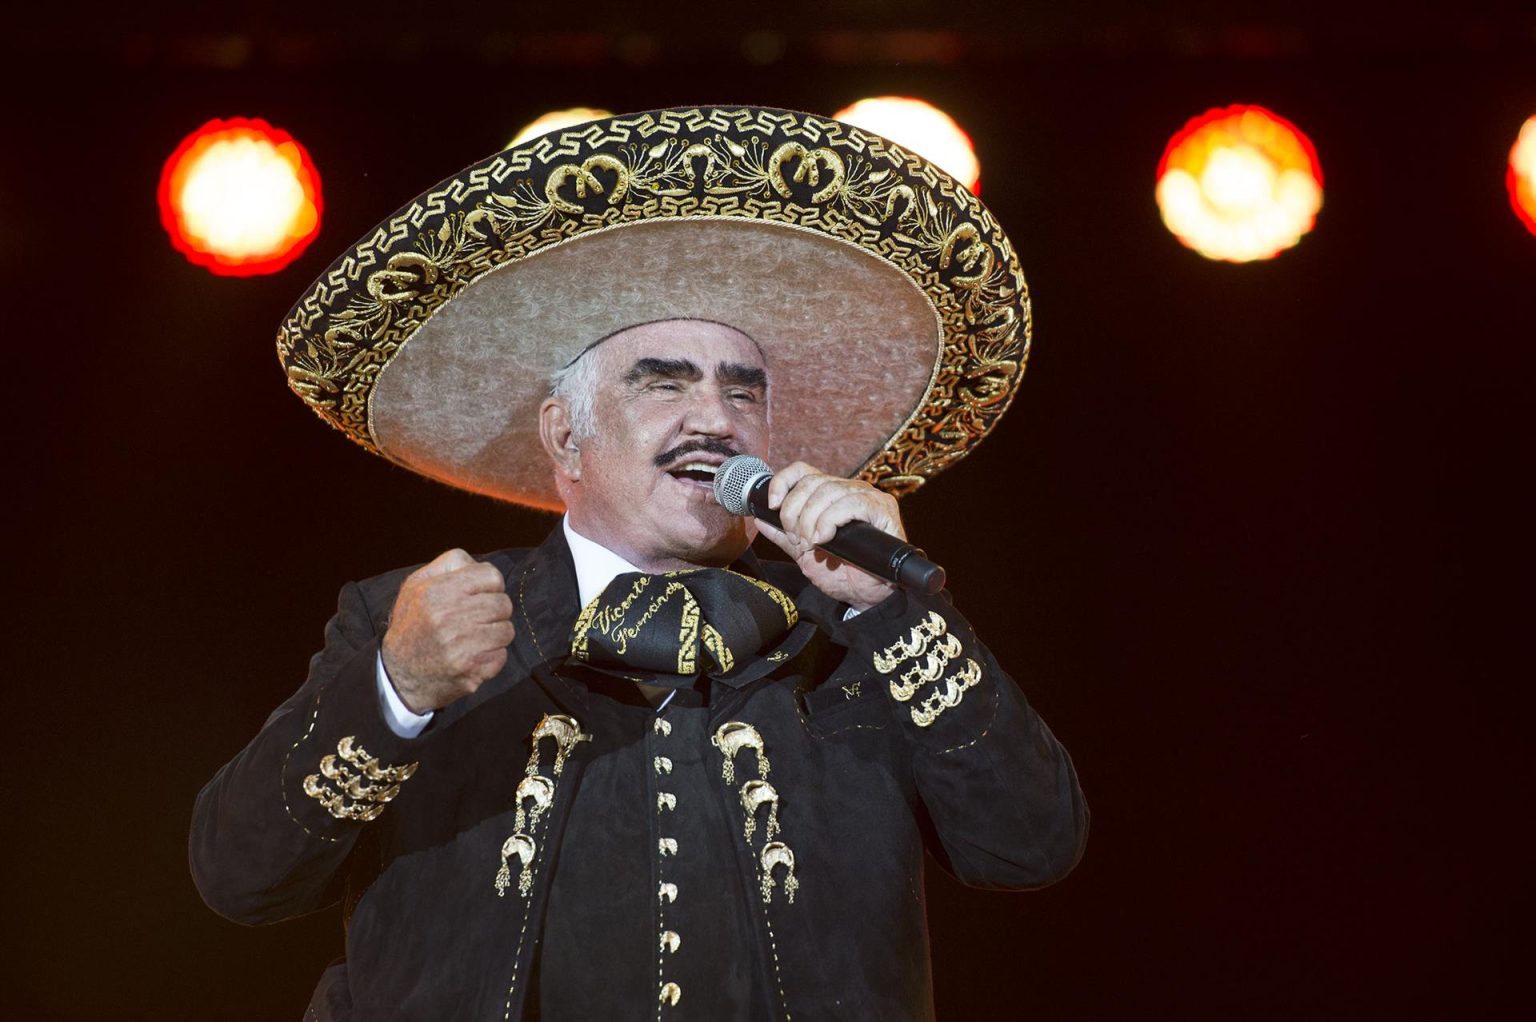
(889, 304)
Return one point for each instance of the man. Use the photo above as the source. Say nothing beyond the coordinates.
(635, 772)
(676, 398)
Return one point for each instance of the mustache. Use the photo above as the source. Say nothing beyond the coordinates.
(704, 445)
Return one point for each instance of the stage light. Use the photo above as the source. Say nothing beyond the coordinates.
(921, 127)
(554, 121)
(240, 197)
(1239, 183)
(1521, 179)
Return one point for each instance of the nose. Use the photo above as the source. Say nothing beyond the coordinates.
(708, 414)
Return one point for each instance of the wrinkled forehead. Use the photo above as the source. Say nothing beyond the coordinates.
(708, 345)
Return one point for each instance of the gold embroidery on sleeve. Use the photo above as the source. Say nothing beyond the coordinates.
(914, 645)
(926, 653)
(352, 785)
(939, 700)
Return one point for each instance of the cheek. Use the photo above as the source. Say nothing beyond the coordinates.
(755, 428)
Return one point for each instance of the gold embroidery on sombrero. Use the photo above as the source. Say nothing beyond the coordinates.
(724, 163)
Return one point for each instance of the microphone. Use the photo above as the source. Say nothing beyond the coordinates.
(741, 487)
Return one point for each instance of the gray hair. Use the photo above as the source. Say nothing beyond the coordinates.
(576, 385)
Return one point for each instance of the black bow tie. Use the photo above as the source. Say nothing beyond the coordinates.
(672, 628)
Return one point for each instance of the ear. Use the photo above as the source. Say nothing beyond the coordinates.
(558, 440)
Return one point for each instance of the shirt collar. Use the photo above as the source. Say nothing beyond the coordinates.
(596, 565)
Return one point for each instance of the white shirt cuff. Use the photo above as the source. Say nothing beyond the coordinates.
(851, 613)
(396, 714)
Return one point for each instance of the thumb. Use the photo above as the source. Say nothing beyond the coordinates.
(448, 560)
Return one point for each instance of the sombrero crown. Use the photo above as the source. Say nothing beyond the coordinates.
(888, 303)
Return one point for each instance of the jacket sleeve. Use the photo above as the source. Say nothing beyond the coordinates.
(999, 788)
(271, 831)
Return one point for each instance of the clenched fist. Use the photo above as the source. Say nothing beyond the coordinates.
(449, 631)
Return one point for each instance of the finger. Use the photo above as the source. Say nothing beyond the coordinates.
(487, 608)
(811, 520)
(785, 479)
(857, 504)
(495, 635)
(448, 560)
(488, 664)
(792, 510)
(479, 577)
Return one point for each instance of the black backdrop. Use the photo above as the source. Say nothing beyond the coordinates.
(1249, 535)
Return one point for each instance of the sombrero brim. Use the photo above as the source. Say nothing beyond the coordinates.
(890, 307)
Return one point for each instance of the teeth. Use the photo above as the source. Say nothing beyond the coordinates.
(694, 466)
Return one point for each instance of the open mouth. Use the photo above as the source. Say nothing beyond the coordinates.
(695, 471)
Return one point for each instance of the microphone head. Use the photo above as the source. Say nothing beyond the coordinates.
(734, 479)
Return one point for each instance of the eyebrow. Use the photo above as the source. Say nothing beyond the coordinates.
(666, 368)
(741, 375)
(734, 373)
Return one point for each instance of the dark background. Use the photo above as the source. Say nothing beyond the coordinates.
(1249, 536)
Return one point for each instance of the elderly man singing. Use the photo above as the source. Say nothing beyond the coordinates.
(635, 772)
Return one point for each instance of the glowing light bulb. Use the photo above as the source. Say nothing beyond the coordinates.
(554, 121)
(240, 197)
(1521, 179)
(920, 127)
(1239, 183)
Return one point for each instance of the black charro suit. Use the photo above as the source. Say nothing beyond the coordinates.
(642, 894)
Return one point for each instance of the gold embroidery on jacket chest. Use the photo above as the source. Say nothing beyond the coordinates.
(731, 738)
(535, 795)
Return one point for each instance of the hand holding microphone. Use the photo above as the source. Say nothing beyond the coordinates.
(841, 517)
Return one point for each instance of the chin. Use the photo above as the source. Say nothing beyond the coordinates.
(717, 538)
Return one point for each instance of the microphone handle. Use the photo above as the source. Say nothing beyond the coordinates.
(864, 546)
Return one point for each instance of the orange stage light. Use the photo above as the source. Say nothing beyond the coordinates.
(1239, 183)
(1521, 178)
(554, 121)
(920, 127)
(240, 197)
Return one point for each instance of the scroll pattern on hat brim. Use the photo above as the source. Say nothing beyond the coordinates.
(890, 306)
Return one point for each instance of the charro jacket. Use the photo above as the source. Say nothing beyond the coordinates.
(551, 847)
